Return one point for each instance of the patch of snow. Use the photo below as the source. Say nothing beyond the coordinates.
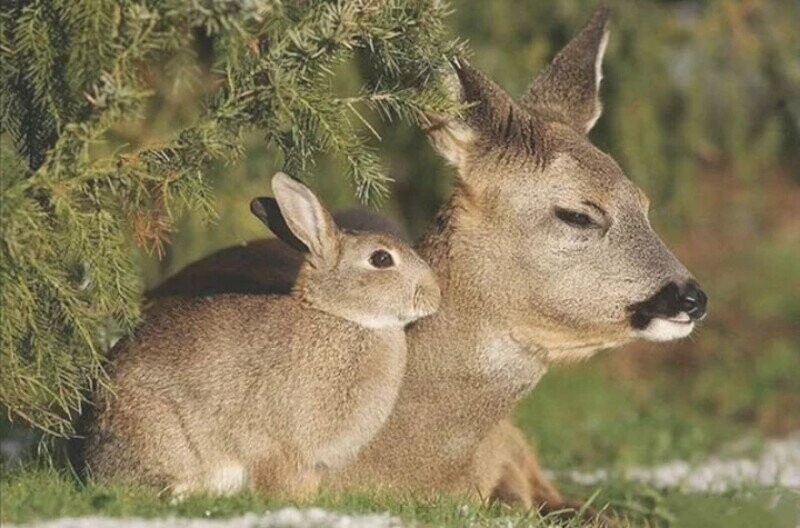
(777, 465)
(283, 518)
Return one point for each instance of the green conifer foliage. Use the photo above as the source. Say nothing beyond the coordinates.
(75, 198)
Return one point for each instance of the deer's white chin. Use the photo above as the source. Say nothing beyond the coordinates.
(666, 329)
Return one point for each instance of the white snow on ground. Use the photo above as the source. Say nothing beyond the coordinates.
(777, 465)
(284, 518)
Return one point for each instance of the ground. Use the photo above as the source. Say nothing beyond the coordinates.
(625, 440)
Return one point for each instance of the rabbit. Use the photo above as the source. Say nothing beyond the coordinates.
(265, 392)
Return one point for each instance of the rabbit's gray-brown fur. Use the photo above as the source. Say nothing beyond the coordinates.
(221, 393)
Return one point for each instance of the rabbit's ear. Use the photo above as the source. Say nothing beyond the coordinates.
(267, 210)
(306, 218)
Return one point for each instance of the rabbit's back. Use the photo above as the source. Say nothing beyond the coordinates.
(176, 384)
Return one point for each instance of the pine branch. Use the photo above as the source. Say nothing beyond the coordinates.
(75, 197)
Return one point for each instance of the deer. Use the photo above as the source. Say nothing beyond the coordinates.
(544, 255)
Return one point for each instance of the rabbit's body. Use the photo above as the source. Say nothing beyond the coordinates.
(223, 392)
(250, 361)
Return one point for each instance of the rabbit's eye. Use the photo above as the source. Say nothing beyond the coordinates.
(381, 259)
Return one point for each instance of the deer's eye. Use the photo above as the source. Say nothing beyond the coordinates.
(574, 218)
(381, 259)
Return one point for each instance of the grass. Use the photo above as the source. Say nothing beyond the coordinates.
(616, 423)
(49, 493)
(45, 493)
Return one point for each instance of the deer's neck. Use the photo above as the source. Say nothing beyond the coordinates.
(464, 355)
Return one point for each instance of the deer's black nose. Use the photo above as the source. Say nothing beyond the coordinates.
(669, 302)
(693, 300)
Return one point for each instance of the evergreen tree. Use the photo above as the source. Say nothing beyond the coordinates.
(77, 74)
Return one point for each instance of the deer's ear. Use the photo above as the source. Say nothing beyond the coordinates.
(568, 89)
(489, 113)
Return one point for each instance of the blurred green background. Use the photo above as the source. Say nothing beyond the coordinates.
(702, 110)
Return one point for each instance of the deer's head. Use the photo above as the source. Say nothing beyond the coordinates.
(548, 227)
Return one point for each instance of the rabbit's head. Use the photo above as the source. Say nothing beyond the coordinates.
(372, 279)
